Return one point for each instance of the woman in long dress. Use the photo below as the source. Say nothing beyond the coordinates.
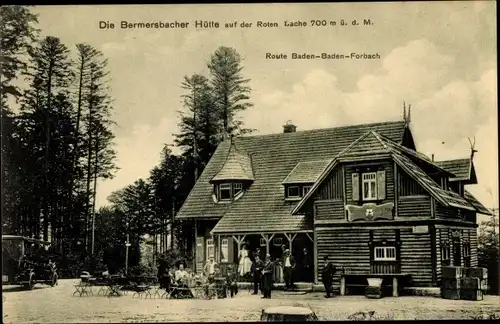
(245, 264)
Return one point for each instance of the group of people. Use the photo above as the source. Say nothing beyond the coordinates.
(263, 272)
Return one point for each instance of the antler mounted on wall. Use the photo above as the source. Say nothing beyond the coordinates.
(472, 146)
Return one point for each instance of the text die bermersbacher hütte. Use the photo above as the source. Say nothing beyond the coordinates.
(210, 24)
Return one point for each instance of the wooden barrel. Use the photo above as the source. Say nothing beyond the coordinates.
(287, 313)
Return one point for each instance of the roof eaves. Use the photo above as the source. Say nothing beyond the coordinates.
(422, 183)
(320, 179)
(416, 154)
(290, 173)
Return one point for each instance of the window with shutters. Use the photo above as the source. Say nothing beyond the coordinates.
(445, 254)
(384, 253)
(210, 249)
(224, 250)
(369, 186)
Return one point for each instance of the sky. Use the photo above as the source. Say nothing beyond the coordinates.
(440, 57)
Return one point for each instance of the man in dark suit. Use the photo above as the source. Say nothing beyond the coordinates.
(267, 273)
(306, 266)
(327, 274)
(288, 262)
(257, 267)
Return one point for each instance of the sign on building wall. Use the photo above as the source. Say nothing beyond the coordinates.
(420, 229)
(369, 212)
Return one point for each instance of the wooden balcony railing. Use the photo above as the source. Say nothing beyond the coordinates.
(385, 267)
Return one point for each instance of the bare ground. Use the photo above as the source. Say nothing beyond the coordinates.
(56, 304)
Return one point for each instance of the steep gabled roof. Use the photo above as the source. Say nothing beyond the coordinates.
(399, 153)
(238, 166)
(262, 207)
(477, 205)
(463, 169)
(306, 172)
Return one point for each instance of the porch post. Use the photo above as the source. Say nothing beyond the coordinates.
(218, 249)
(315, 258)
(267, 239)
(195, 244)
(290, 240)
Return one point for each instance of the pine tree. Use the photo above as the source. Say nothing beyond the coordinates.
(230, 89)
(199, 132)
(49, 75)
(18, 33)
(98, 137)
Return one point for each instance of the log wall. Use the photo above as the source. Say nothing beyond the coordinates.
(414, 206)
(328, 210)
(416, 257)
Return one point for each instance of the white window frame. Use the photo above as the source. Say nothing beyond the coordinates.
(384, 255)
(224, 247)
(210, 247)
(369, 178)
(288, 191)
(277, 241)
(237, 188)
(224, 186)
(262, 242)
(305, 190)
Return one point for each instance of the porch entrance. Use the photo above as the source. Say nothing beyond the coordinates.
(300, 245)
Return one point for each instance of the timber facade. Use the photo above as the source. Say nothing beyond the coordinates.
(360, 195)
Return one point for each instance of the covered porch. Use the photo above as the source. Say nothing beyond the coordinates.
(300, 244)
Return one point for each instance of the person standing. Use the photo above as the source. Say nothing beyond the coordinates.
(209, 268)
(288, 266)
(257, 267)
(327, 274)
(267, 273)
(244, 264)
(306, 266)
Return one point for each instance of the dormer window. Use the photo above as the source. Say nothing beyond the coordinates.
(238, 187)
(227, 191)
(293, 192)
(296, 191)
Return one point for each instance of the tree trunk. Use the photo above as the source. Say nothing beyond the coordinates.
(96, 158)
(70, 219)
(89, 163)
(47, 153)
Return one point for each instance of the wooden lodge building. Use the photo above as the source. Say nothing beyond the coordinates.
(361, 195)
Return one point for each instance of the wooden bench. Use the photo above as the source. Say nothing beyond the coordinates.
(395, 280)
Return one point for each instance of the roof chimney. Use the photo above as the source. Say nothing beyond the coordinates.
(432, 157)
(289, 127)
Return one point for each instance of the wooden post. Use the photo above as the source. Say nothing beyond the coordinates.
(218, 249)
(315, 255)
(267, 239)
(290, 239)
(396, 190)
(195, 245)
(395, 286)
(342, 285)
